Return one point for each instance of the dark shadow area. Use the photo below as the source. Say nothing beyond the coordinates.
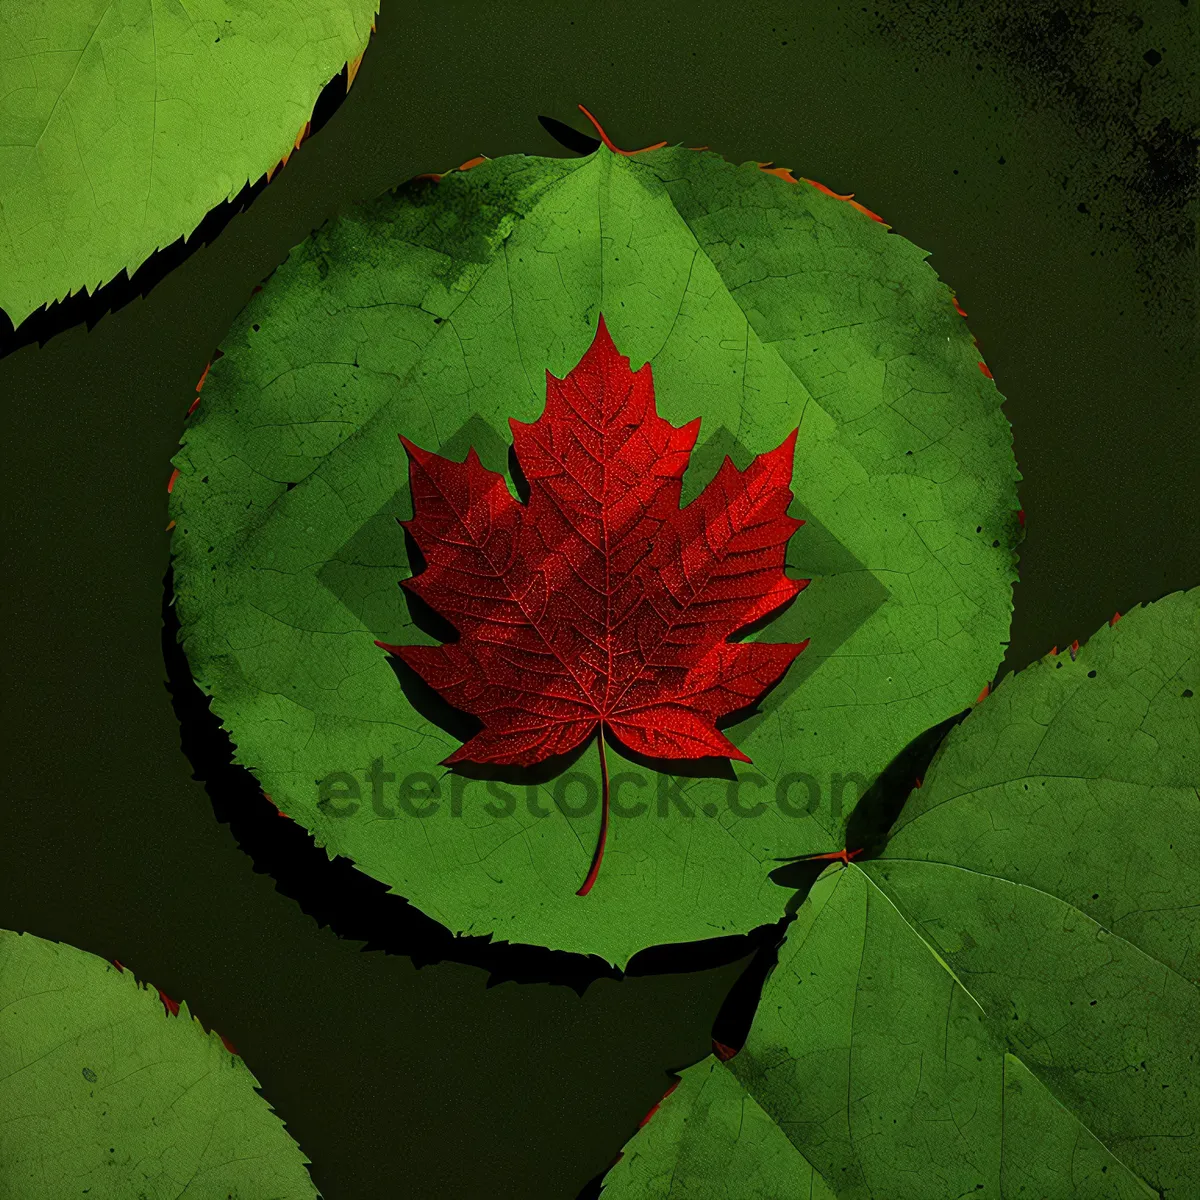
(517, 475)
(334, 893)
(673, 958)
(572, 139)
(531, 776)
(736, 1014)
(332, 97)
(87, 308)
(760, 623)
(732, 1025)
(876, 812)
(874, 815)
(432, 705)
(709, 767)
(595, 1185)
(423, 615)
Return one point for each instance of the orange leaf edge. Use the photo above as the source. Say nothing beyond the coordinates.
(306, 129)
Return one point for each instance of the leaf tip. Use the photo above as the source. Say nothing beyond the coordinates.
(608, 142)
(415, 453)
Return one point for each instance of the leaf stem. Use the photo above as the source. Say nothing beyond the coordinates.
(598, 857)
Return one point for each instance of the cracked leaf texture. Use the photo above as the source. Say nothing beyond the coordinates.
(762, 306)
(104, 1094)
(122, 122)
(1006, 1003)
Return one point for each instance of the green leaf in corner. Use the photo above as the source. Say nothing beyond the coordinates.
(110, 1090)
(1005, 1003)
(761, 305)
(122, 122)
(708, 1140)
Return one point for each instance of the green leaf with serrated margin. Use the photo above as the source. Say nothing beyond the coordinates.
(761, 305)
(122, 122)
(105, 1092)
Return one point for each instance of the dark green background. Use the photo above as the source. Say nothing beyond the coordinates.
(1044, 156)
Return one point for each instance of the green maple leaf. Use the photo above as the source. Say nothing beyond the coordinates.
(122, 122)
(435, 312)
(106, 1094)
(1006, 1002)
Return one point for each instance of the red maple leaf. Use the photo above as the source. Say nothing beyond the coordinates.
(600, 604)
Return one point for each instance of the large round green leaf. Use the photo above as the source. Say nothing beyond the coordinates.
(105, 1094)
(761, 305)
(122, 122)
(1007, 1002)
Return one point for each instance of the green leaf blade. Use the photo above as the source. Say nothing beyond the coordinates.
(710, 1140)
(125, 121)
(436, 312)
(103, 1093)
(1005, 1002)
